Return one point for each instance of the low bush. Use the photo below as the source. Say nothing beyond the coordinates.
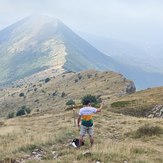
(132, 111)
(20, 112)
(21, 94)
(148, 130)
(11, 115)
(47, 80)
(63, 94)
(122, 103)
(23, 110)
(70, 102)
(93, 100)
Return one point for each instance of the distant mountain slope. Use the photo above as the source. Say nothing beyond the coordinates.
(37, 43)
(147, 57)
(40, 43)
(55, 92)
(30, 46)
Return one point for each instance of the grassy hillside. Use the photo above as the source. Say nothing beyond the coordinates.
(45, 134)
(139, 103)
(118, 139)
(56, 91)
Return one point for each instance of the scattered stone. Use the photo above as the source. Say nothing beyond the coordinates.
(98, 162)
(150, 116)
(55, 154)
(19, 161)
(38, 154)
(156, 112)
(87, 153)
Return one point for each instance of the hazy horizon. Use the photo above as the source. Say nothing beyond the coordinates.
(138, 22)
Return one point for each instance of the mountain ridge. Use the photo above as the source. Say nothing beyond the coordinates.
(36, 44)
(28, 50)
(56, 91)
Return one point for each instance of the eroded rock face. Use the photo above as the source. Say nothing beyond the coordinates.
(156, 112)
(130, 88)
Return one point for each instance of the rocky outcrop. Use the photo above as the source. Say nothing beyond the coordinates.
(156, 112)
(130, 88)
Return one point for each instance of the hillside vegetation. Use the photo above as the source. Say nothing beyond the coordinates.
(54, 92)
(140, 103)
(45, 133)
(46, 137)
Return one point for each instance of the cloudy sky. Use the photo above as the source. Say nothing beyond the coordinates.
(119, 19)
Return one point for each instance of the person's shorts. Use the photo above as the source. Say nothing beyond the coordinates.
(86, 130)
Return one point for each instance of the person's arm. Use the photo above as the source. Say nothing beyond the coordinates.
(99, 109)
(78, 122)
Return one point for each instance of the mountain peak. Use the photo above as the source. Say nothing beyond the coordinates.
(41, 18)
(40, 42)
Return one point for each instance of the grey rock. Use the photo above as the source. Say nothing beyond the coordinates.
(130, 88)
(87, 153)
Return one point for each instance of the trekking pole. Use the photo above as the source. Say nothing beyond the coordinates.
(74, 116)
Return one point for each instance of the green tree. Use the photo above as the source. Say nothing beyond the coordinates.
(70, 102)
(93, 100)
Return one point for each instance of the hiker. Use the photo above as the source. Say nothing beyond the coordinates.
(85, 116)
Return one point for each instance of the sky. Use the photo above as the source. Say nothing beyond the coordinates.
(128, 20)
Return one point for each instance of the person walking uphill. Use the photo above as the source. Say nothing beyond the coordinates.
(85, 117)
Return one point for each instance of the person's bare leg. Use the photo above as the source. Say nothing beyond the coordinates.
(81, 140)
(91, 140)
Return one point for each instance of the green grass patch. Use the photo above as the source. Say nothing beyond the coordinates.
(145, 131)
(119, 104)
(133, 111)
(148, 130)
(64, 136)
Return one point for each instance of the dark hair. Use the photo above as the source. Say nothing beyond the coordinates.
(86, 102)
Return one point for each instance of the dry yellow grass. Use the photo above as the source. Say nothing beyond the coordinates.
(140, 103)
(53, 130)
(43, 95)
(147, 97)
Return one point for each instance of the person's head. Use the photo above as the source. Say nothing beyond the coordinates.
(86, 102)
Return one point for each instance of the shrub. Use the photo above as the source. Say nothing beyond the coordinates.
(47, 80)
(76, 80)
(21, 94)
(79, 77)
(23, 110)
(2, 123)
(63, 94)
(37, 100)
(120, 103)
(89, 76)
(43, 91)
(148, 130)
(10, 115)
(28, 110)
(20, 112)
(70, 102)
(90, 98)
(54, 93)
(132, 111)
